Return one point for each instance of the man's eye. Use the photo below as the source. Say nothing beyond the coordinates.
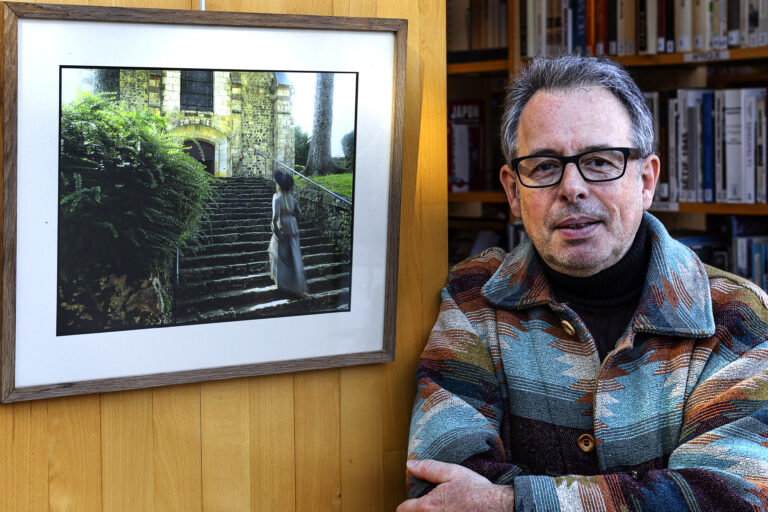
(546, 167)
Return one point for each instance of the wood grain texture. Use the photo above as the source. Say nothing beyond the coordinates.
(177, 449)
(74, 454)
(127, 470)
(272, 442)
(224, 426)
(362, 463)
(318, 475)
(305, 441)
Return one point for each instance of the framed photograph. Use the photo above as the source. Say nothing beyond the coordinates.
(192, 196)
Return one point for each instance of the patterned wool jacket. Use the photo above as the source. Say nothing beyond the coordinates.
(675, 417)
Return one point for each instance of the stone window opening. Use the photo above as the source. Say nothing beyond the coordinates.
(197, 90)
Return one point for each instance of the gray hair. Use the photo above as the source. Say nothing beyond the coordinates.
(571, 72)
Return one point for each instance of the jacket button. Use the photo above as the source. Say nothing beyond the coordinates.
(568, 328)
(586, 443)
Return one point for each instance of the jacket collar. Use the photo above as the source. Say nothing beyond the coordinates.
(675, 300)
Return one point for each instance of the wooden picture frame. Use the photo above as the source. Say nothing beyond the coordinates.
(39, 363)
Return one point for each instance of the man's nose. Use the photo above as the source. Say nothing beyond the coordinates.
(572, 185)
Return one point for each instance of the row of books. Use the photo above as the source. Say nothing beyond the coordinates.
(644, 27)
(475, 24)
(736, 243)
(712, 144)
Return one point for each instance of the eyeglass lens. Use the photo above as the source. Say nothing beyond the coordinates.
(602, 165)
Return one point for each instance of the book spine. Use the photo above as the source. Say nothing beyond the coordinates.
(719, 140)
(761, 194)
(733, 22)
(683, 25)
(661, 27)
(701, 24)
(707, 148)
(733, 156)
(672, 125)
(669, 35)
(611, 21)
(749, 112)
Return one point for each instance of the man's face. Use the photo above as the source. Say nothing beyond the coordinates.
(580, 228)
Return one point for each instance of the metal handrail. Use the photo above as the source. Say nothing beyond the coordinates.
(334, 194)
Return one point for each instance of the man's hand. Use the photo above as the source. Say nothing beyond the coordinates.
(458, 489)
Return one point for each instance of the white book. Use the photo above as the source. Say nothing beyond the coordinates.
(701, 25)
(762, 35)
(672, 167)
(749, 146)
(683, 25)
(733, 152)
(720, 185)
(719, 25)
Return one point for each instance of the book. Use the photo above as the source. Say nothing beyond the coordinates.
(661, 27)
(719, 139)
(625, 27)
(611, 18)
(457, 25)
(540, 28)
(733, 21)
(579, 33)
(719, 25)
(761, 172)
(673, 121)
(662, 186)
(669, 24)
(749, 96)
(601, 27)
(589, 23)
(750, 22)
(478, 24)
(706, 192)
(688, 143)
(465, 145)
(554, 28)
(700, 25)
(647, 25)
(733, 152)
(683, 25)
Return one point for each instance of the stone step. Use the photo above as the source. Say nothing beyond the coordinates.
(260, 243)
(227, 258)
(214, 269)
(337, 300)
(257, 295)
(190, 289)
(242, 235)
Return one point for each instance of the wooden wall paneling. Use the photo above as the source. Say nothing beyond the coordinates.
(127, 470)
(316, 409)
(74, 453)
(272, 444)
(365, 9)
(226, 465)
(362, 464)
(24, 459)
(399, 375)
(177, 449)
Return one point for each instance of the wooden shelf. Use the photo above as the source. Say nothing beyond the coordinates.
(690, 58)
(477, 197)
(486, 66)
(712, 208)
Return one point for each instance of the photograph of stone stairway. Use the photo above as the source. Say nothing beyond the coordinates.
(227, 276)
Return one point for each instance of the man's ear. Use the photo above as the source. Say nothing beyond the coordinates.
(650, 170)
(509, 182)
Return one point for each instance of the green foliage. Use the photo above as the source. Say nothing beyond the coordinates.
(342, 184)
(129, 195)
(348, 146)
(302, 146)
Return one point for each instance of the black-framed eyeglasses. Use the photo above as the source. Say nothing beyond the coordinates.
(595, 166)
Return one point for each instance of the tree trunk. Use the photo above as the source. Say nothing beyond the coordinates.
(319, 162)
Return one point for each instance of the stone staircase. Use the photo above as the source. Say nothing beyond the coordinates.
(227, 278)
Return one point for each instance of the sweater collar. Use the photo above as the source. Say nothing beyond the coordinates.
(675, 299)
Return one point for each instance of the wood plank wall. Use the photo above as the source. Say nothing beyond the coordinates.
(330, 440)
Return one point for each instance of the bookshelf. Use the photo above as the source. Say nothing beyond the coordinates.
(713, 68)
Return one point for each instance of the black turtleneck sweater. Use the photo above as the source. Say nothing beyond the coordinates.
(607, 300)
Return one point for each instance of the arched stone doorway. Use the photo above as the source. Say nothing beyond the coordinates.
(202, 151)
(220, 160)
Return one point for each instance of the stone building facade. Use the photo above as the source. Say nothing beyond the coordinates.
(227, 113)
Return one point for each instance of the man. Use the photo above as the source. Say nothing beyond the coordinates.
(600, 366)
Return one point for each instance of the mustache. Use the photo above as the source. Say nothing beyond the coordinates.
(594, 211)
